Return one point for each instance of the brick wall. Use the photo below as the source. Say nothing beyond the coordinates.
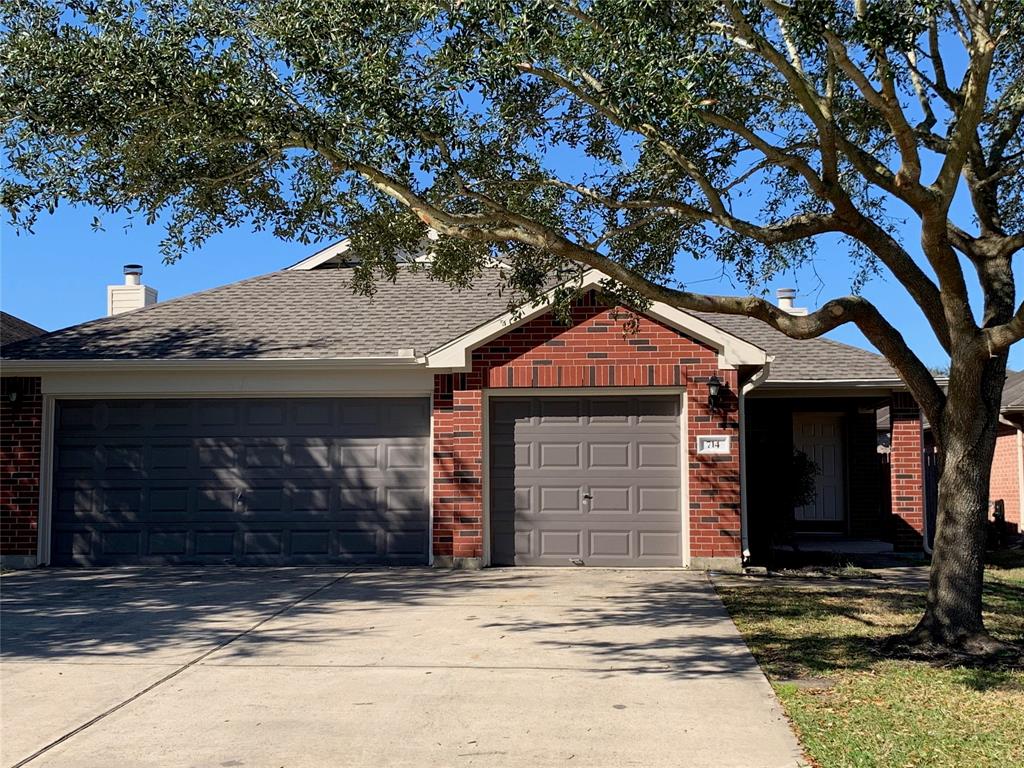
(1005, 475)
(906, 466)
(593, 350)
(20, 445)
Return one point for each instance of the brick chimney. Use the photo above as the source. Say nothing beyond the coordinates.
(132, 295)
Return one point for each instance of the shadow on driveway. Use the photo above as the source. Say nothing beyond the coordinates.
(665, 621)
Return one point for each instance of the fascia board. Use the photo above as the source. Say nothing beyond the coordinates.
(322, 256)
(39, 367)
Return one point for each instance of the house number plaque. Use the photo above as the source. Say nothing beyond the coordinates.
(713, 444)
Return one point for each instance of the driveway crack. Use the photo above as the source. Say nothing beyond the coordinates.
(178, 670)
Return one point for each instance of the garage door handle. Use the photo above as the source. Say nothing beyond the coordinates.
(587, 497)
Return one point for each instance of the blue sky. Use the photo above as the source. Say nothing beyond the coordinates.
(58, 276)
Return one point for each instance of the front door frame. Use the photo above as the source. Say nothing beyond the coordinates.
(840, 526)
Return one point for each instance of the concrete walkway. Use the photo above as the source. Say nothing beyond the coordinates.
(311, 667)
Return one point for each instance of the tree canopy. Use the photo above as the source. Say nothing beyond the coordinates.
(552, 134)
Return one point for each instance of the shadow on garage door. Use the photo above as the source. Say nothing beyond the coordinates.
(269, 481)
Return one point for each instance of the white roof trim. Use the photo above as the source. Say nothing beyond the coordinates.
(732, 350)
(323, 256)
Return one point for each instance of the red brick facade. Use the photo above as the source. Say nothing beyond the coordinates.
(598, 349)
(20, 445)
(907, 473)
(1005, 482)
(592, 351)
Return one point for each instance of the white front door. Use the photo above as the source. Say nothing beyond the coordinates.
(820, 436)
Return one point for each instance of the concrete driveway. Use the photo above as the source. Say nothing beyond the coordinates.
(412, 667)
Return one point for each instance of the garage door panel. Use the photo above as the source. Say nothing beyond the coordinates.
(590, 478)
(654, 500)
(611, 500)
(167, 543)
(554, 499)
(608, 455)
(561, 544)
(660, 544)
(651, 455)
(145, 482)
(611, 543)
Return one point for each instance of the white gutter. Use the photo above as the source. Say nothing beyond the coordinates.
(38, 367)
(755, 380)
(843, 383)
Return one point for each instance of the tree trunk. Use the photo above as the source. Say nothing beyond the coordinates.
(966, 445)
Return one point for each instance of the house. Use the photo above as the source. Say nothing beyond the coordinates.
(1007, 480)
(283, 419)
(14, 329)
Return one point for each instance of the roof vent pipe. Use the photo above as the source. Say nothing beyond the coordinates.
(133, 274)
(785, 297)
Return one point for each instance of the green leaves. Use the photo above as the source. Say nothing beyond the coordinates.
(640, 130)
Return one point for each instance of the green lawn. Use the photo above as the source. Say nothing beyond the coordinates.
(815, 640)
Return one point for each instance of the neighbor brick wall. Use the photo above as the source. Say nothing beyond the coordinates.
(593, 350)
(20, 446)
(906, 467)
(1005, 480)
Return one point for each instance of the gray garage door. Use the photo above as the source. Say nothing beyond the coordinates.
(585, 480)
(254, 481)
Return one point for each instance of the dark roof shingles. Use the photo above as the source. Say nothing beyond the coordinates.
(1013, 392)
(807, 360)
(286, 314)
(13, 329)
(315, 314)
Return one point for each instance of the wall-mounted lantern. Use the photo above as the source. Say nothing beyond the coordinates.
(714, 393)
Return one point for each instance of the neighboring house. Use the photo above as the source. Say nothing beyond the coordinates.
(284, 420)
(1007, 481)
(14, 329)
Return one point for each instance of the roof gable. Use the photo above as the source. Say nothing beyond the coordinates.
(733, 351)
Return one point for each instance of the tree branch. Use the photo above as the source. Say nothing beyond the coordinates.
(517, 228)
(1000, 337)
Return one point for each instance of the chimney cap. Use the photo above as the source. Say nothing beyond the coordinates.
(133, 269)
(785, 293)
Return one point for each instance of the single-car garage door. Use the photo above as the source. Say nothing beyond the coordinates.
(253, 481)
(586, 480)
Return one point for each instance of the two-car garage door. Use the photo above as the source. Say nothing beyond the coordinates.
(253, 481)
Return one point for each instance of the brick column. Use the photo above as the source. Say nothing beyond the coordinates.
(906, 467)
(714, 480)
(20, 448)
(458, 472)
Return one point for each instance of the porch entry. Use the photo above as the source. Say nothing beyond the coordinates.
(820, 436)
